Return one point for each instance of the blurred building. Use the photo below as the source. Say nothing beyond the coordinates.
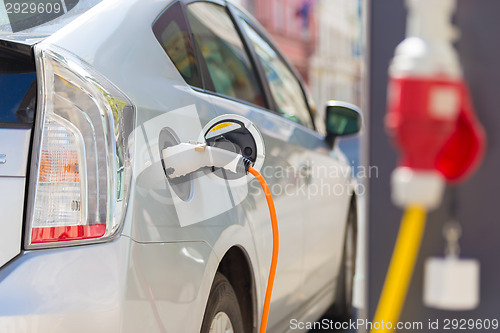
(337, 63)
(322, 39)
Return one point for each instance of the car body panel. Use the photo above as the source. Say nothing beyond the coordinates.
(329, 193)
(76, 289)
(122, 286)
(14, 145)
(14, 148)
(168, 286)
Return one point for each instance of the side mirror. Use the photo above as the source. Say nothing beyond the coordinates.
(341, 119)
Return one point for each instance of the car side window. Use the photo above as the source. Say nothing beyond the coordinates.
(284, 86)
(222, 49)
(171, 30)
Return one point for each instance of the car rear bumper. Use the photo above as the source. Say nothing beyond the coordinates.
(75, 289)
(120, 286)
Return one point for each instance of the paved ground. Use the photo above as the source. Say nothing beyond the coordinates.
(333, 331)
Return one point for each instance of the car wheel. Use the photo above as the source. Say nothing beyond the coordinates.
(342, 308)
(222, 314)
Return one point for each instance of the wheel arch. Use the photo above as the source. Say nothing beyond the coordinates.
(337, 310)
(237, 268)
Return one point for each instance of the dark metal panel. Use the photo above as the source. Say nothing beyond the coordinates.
(385, 31)
(477, 199)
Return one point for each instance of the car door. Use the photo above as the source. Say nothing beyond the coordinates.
(235, 88)
(323, 173)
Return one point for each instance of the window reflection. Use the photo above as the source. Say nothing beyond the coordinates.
(172, 33)
(284, 86)
(222, 49)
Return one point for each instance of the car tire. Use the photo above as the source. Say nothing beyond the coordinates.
(342, 308)
(222, 313)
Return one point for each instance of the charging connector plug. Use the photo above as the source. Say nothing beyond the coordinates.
(186, 158)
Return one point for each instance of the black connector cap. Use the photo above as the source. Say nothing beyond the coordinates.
(243, 164)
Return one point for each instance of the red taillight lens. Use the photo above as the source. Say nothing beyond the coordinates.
(57, 234)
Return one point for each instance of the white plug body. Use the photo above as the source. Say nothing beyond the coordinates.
(186, 158)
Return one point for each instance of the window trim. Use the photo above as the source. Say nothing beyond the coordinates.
(256, 65)
(265, 36)
(206, 80)
(218, 2)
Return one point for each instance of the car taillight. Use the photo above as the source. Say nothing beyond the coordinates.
(81, 170)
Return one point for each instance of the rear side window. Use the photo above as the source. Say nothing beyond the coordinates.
(172, 32)
(223, 52)
(285, 87)
(17, 84)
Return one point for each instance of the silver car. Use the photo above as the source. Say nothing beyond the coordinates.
(96, 236)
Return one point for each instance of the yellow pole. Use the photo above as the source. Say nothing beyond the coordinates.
(400, 271)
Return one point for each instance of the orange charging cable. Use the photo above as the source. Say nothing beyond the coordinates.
(276, 240)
